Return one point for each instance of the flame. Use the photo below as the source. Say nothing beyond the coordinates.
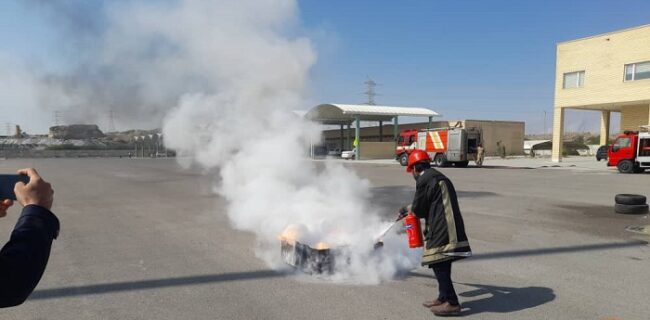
(290, 234)
(321, 246)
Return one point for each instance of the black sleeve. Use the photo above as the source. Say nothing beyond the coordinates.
(421, 204)
(24, 257)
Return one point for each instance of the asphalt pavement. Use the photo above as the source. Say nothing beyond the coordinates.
(146, 239)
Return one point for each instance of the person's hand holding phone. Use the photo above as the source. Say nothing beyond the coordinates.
(4, 205)
(36, 192)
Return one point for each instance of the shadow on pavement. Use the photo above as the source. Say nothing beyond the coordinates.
(394, 197)
(475, 194)
(497, 167)
(535, 252)
(504, 299)
(149, 284)
(599, 211)
(555, 250)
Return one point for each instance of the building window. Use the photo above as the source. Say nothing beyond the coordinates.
(637, 71)
(574, 80)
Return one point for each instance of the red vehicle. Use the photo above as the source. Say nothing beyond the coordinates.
(445, 146)
(630, 152)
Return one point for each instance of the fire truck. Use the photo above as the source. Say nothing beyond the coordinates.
(446, 146)
(630, 152)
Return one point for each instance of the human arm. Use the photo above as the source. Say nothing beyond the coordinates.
(24, 258)
(421, 201)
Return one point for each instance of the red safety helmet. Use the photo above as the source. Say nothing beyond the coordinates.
(417, 156)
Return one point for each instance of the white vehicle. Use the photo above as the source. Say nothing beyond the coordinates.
(347, 155)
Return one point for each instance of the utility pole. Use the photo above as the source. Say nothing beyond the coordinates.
(371, 94)
(370, 91)
(135, 144)
(57, 117)
(111, 121)
(544, 122)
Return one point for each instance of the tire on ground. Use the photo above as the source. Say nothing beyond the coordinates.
(404, 159)
(440, 160)
(625, 166)
(630, 199)
(631, 209)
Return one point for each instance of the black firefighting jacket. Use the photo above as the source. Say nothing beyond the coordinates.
(444, 234)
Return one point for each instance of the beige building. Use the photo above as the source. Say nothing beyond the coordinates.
(606, 73)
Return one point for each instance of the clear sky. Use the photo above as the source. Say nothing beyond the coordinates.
(465, 59)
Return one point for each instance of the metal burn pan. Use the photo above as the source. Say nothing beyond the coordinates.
(306, 258)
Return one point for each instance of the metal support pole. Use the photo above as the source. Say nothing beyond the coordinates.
(341, 142)
(348, 145)
(381, 131)
(162, 145)
(357, 133)
(430, 119)
(395, 129)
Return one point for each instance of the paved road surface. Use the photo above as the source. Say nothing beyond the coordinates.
(143, 239)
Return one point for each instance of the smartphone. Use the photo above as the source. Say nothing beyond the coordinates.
(7, 184)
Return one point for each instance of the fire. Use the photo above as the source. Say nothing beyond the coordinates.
(321, 246)
(290, 234)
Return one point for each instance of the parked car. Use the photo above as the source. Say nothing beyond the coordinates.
(601, 154)
(334, 153)
(348, 155)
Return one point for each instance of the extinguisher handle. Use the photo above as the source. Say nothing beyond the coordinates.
(403, 212)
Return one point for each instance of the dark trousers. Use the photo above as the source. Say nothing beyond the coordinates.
(446, 290)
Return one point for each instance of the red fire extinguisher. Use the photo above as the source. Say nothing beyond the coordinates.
(413, 230)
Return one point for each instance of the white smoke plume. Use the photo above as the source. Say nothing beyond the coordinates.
(248, 131)
(226, 75)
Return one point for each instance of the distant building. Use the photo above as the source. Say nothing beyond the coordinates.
(19, 132)
(76, 131)
(607, 73)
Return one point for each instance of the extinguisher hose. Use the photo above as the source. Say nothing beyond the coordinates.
(381, 235)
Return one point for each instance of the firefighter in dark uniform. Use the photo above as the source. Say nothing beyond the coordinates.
(444, 233)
